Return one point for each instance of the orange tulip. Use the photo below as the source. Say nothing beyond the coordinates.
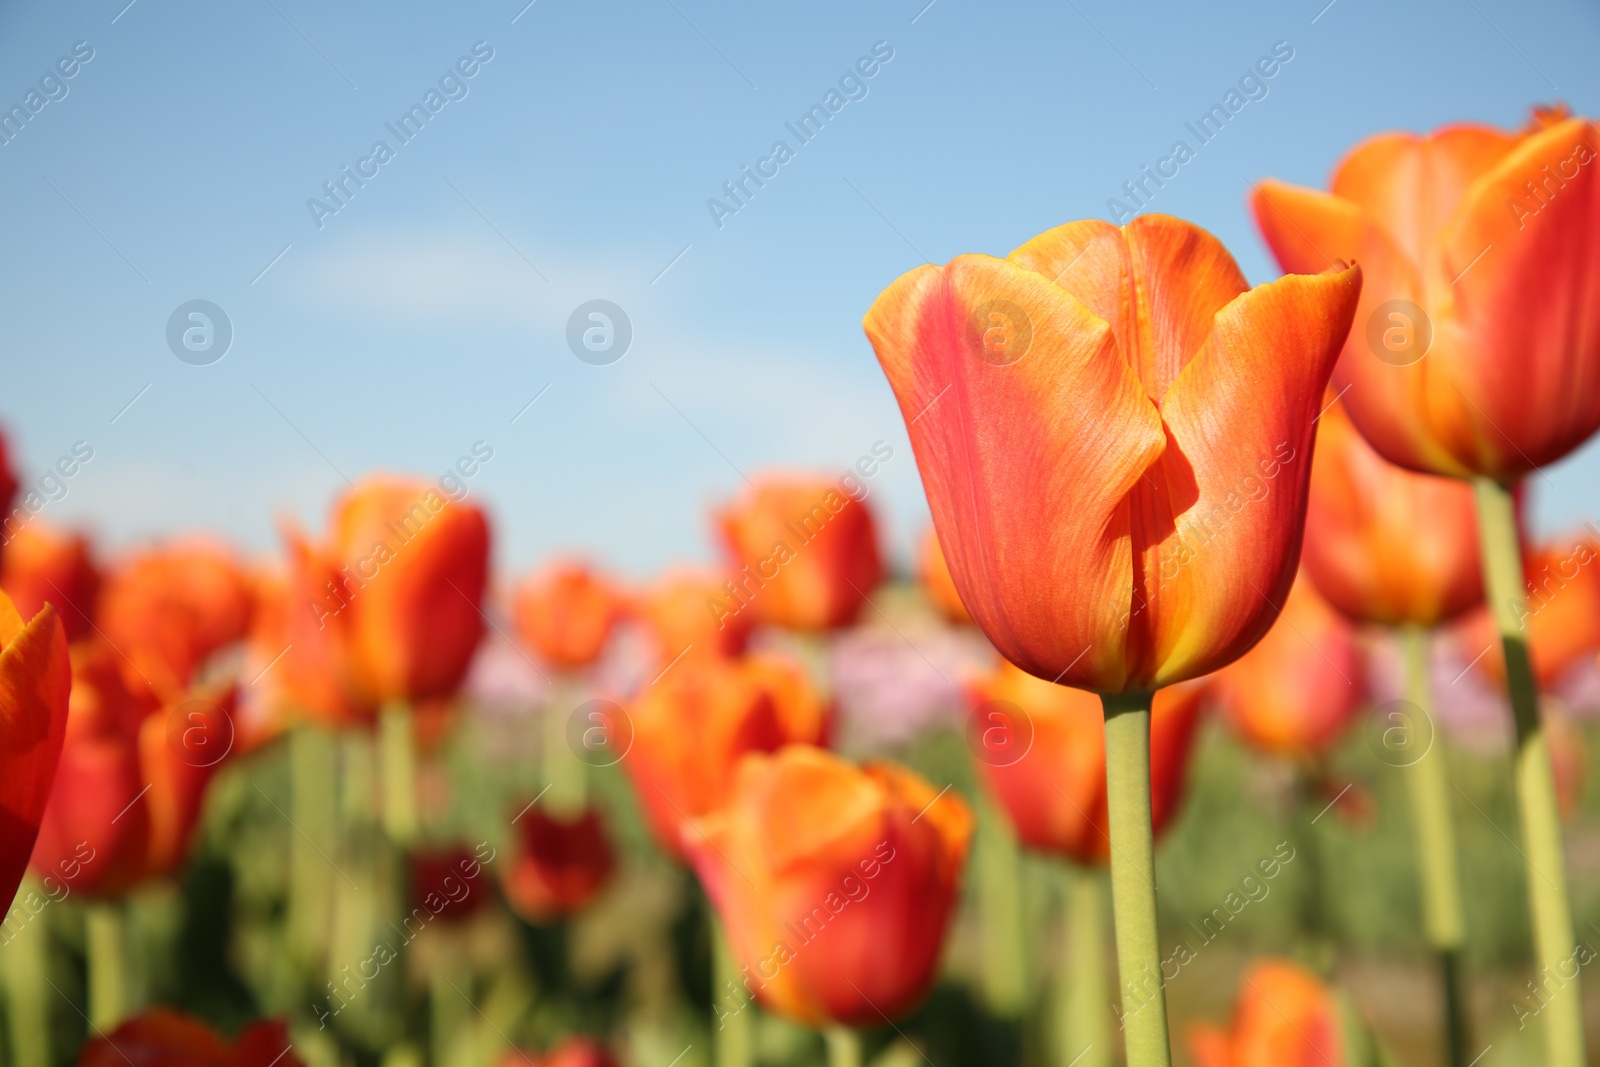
(1296, 691)
(691, 726)
(1385, 545)
(169, 609)
(35, 680)
(835, 883)
(566, 614)
(1042, 753)
(807, 552)
(935, 575)
(1284, 1017)
(1562, 626)
(560, 864)
(1114, 433)
(318, 672)
(683, 611)
(412, 565)
(41, 566)
(1482, 253)
(165, 1038)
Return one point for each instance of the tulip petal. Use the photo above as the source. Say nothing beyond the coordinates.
(1026, 456)
(35, 679)
(1309, 230)
(1233, 479)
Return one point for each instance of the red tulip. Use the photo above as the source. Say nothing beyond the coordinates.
(1284, 1017)
(559, 866)
(165, 1038)
(41, 566)
(566, 614)
(835, 884)
(35, 680)
(447, 882)
(1114, 433)
(807, 553)
(1042, 753)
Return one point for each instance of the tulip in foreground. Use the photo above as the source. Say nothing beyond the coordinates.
(836, 883)
(35, 682)
(1475, 354)
(1284, 1017)
(1114, 432)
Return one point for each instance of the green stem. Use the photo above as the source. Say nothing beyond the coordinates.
(1438, 867)
(313, 809)
(844, 1046)
(1133, 879)
(450, 1009)
(565, 774)
(105, 941)
(731, 1004)
(1085, 1036)
(398, 755)
(1535, 781)
(1000, 899)
(27, 970)
(1317, 949)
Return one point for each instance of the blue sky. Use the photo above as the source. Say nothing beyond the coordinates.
(576, 164)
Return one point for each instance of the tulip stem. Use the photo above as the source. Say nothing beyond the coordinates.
(1000, 900)
(1084, 1038)
(730, 1002)
(107, 958)
(1534, 777)
(1133, 879)
(312, 803)
(565, 774)
(1438, 868)
(844, 1046)
(27, 971)
(399, 761)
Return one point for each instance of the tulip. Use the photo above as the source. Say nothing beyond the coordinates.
(1043, 757)
(1476, 355)
(8, 491)
(1114, 433)
(806, 552)
(169, 609)
(566, 614)
(35, 680)
(559, 866)
(318, 673)
(836, 884)
(683, 613)
(693, 724)
(935, 575)
(1296, 692)
(1385, 545)
(445, 882)
(573, 1052)
(1284, 1017)
(165, 1038)
(1561, 623)
(42, 566)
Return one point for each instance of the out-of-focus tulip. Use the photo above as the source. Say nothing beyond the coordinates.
(686, 612)
(318, 674)
(1042, 753)
(1284, 1017)
(559, 865)
(1114, 432)
(449, 883)
(1383, 544)
(935, 575)
(165, 1038)
(566, 614)
(1569, 757)
(807, 552)
(1562, 625)
(169, 609)
(8, 490)
(1296, 691)
(573, 1052)
(1481, 249)
(35, 680)
(691, 726)
(835, 883)
(132, 778)
(40, 566)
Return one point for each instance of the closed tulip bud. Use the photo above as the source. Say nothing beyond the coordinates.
(1042, 753)
(934, 574)
(35, 682)
(40, 566)
(806, 553)
(1296, 691)
(165, 1038)
(416, 563)
(566, 613)
(686, 613)
(169, 609)
(835, 884)
(559, 864)
(1481, 249)
(1284, 1017)
(1385, 545)
(691, 726)
(1114, 433)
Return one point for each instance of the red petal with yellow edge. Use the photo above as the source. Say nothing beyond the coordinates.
(1525, 331)
(35, 681)
(1217, 524)
(1029, 430)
